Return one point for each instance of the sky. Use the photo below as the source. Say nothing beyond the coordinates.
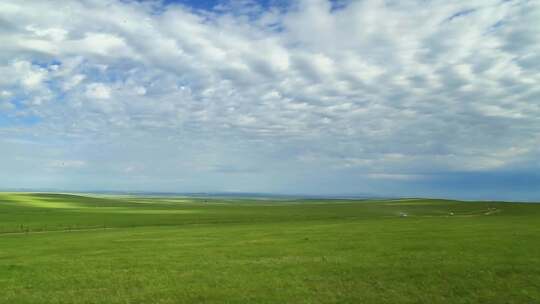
(429, 98)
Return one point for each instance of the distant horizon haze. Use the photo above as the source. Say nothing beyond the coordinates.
(392, 98)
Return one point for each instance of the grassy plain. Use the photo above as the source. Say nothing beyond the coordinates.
(60, 248)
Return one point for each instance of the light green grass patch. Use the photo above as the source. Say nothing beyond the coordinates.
(136, 211)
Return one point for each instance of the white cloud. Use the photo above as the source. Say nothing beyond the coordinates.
(400, 177)
(393, 89)
(5, 94)
(50, 34)
(31, 77)
(66, 164)
(103, 44)
(73, 81)
(98, 91)
(140, 90)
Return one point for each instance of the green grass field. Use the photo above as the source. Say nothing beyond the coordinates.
(58, 248)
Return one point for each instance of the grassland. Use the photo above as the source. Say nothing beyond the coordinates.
(58, 248)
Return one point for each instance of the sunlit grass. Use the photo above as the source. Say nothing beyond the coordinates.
(165, 250)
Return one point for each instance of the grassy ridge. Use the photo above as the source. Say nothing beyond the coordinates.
(78, 249)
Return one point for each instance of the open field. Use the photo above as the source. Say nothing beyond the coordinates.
(58, 248)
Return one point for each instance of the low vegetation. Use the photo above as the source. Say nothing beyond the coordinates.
(60, 248)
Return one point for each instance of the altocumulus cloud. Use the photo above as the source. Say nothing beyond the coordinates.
(385, 97)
